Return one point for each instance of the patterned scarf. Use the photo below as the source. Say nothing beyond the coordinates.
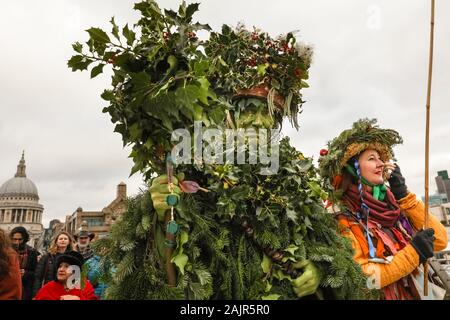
(86, 252)
(384, 213)
(390, 231)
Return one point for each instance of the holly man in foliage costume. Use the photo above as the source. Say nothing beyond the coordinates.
(384, 223)
(205, 230)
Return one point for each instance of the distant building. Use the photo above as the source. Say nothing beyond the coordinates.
(442, 212)
(443, 184)
(19, 204)
(98, 222)
(435, 199)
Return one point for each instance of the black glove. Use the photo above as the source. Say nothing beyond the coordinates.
(423, 242)
(397, 184)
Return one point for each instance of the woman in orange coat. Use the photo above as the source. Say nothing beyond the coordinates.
(385, 224)
(10, 278)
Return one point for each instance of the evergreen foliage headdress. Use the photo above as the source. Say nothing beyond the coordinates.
(165, 77)
(364, 134)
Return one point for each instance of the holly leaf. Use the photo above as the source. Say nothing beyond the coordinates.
(78, 47)
(97, 70)
(129, 35)
(137, 167)
(115, 29)
(79, 62)
(108, 95)
(98, 35)
(291, 214)
(190, 10)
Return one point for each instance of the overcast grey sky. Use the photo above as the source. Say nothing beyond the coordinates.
(371, 60)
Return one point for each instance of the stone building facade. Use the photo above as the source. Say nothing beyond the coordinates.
(19, 204)
(98, 222)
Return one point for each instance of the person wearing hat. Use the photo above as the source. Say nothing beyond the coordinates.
(385, 224)
(27, 259)
(92, 261)
(67, 286)
(83, 239)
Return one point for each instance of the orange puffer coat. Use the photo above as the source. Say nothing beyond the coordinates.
(407, 259)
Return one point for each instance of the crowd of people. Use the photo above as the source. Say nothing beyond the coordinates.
(70, 270)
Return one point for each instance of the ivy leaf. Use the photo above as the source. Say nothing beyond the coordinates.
(115, 29)
(135, 132)
(291, 249)
(203, 91)
(317, 190)
(98, 35)
(187, 96)
(97, 70)
(200, 67)
(129, 35)
(266, 264)
(180, 261)
(262, 68)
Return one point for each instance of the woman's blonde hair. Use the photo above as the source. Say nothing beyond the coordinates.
(54, 247)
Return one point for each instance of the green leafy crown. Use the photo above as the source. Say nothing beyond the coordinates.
(364, 134)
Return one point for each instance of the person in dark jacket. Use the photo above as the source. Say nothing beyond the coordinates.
(27, 259)
(46, 269)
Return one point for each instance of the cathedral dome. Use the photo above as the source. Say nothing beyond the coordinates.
(20, 185)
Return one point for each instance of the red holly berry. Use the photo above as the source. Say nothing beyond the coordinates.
(323, 152)
(112, 60)
(298, 73)
(252, 62)
(166, 35)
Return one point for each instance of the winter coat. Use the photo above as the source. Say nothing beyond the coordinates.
(54, 290)
(94, 274)
(11, 285)
(407, 259)
(28, 276)
(45, 271)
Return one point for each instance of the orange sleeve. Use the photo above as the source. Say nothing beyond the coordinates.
(381, 275)
(415, 211)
